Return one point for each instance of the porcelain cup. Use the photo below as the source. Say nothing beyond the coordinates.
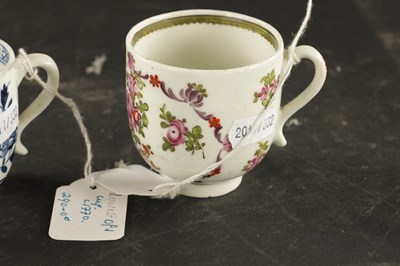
(11, 123)
(194, 80)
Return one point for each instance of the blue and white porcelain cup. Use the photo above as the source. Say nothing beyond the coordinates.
(12, 71)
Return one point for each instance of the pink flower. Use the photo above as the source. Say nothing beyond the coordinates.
(176, 133)
(134, 116)
(253, 163)
(227, 144)
(131, 61)
(268, 90)
(192, 96)
(131, 83)
(264, 93)
(273, 85)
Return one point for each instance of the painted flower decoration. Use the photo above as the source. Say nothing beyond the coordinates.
(258, 156)
(227, 145)
(146, 150)
(4, 98)
(268, 90)
(154, 81)
(214, 172)
(7, 147)
(177, 132)
(131, 62)
(136, 107)
(214, 122)
(132, 85)
(134, 117)
(253, 163)
(194, 94)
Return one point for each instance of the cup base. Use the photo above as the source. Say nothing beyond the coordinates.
(211, 189)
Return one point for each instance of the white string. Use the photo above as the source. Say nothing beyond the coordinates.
(173, 189)
(32, 75)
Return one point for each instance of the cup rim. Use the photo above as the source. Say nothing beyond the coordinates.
(193, 12)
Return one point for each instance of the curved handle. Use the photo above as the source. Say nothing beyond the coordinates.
(303, 98)
(42, 100)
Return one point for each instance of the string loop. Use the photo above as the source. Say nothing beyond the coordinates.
(173, 189)
(292, 59)
(32, 74)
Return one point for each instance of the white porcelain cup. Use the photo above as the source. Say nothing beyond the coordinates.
(194, 80)
(11, 123)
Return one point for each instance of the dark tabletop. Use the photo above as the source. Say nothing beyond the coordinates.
(330, 197)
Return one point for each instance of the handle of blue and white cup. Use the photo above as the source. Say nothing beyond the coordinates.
(42, 100)
(285, 112)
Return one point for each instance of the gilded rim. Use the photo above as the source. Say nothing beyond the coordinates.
(166, 20)
(206, 19)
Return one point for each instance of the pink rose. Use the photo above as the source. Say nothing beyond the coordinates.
(176, 132)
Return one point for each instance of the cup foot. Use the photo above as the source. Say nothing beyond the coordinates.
(211, 189)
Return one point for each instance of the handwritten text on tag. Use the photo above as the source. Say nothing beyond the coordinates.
(82, 213)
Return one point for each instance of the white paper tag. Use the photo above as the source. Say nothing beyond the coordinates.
(241, 127)
(8, 121)
(85, 214)
(133, 180)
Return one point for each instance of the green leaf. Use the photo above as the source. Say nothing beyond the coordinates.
(190, 135)
(164, 124)
(265, 102)
(145, 120)
(268, 78)
(263, 146)
(196, 132)
(135, 139)
(197, 145)
(141, 130)
(165, 146)
(145, 107)
(162, 109)
(168, 116)
(189, 145)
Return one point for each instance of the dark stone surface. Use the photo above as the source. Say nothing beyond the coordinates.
(331, 197)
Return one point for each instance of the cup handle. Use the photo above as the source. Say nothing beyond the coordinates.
(303, 98)
(42, 100)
